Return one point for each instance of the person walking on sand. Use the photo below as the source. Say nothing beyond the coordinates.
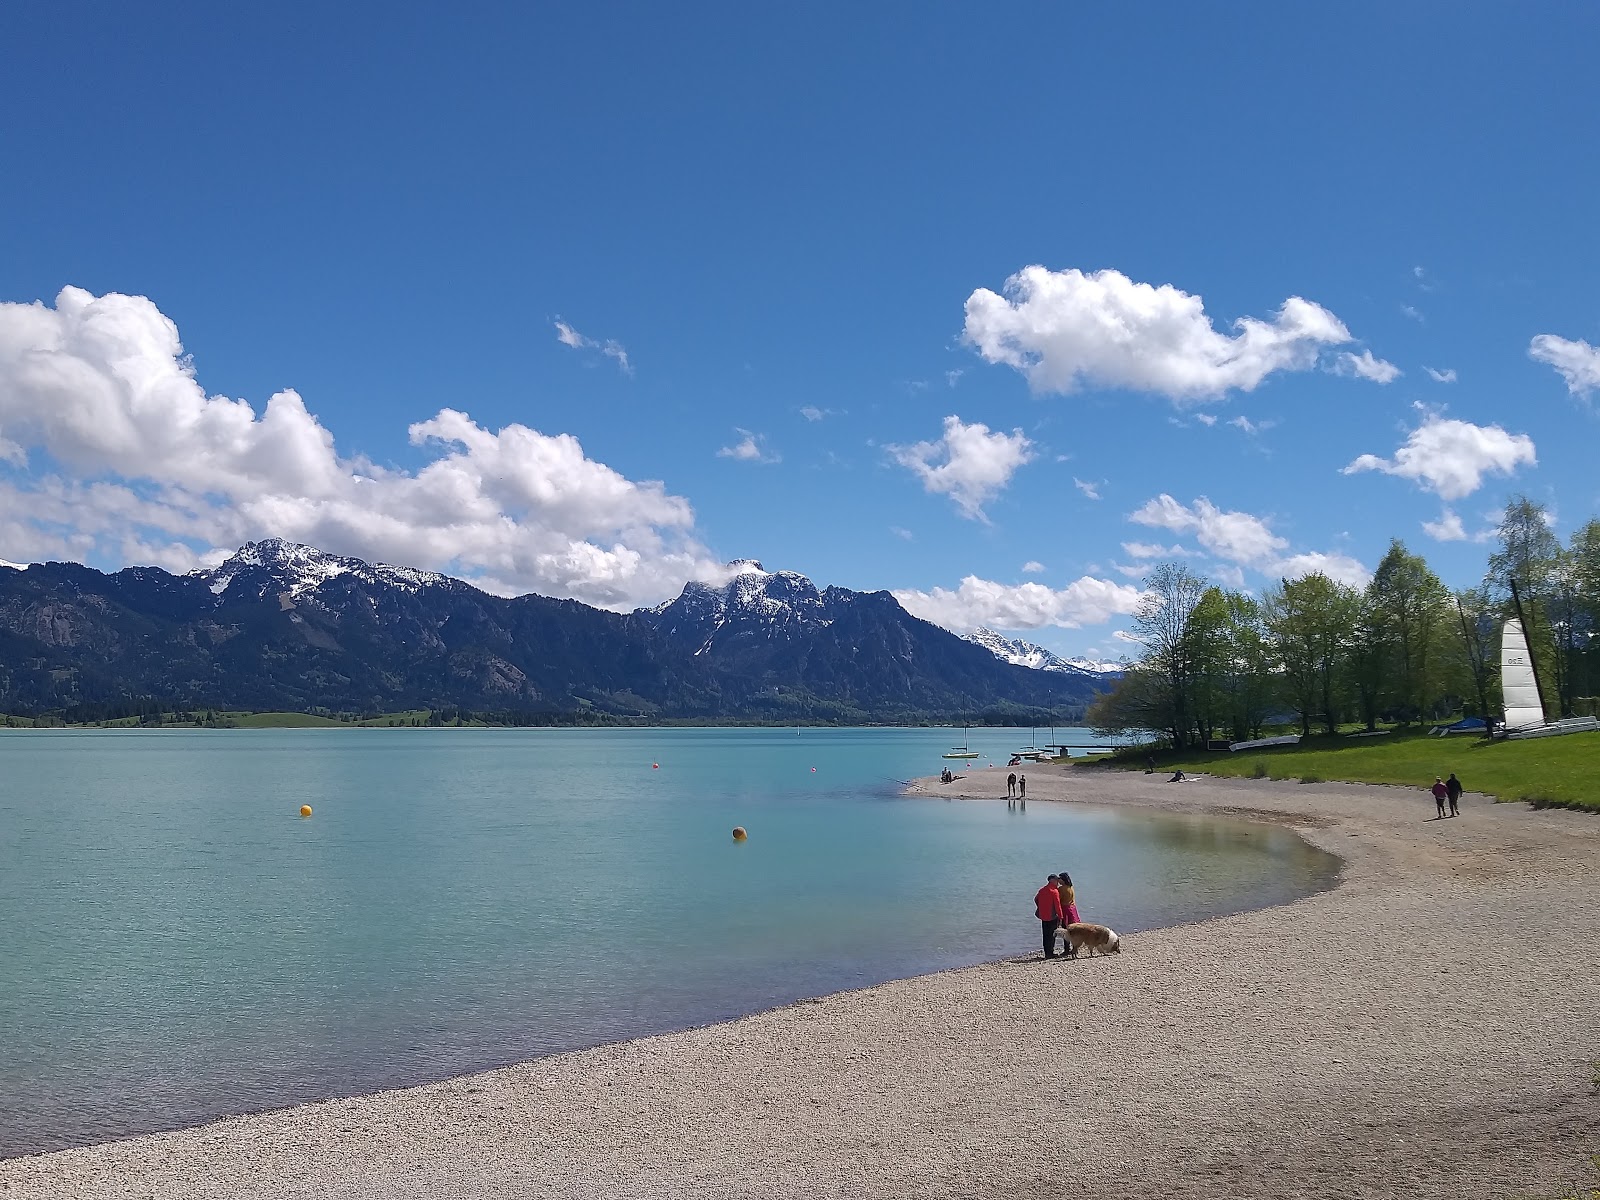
(1011, 785)
(1440, 795)
(1069, 911)
(1452, 788)
(1047, 907)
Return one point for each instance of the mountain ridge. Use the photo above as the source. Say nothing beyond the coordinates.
(278, 625)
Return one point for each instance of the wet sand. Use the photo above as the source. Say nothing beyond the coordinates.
(1426, 1029)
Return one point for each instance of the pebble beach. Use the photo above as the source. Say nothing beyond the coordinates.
(1427, 1028)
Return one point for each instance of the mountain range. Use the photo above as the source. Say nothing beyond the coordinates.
(280, 626)
(1026, 654)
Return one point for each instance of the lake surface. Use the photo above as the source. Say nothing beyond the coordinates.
(176, 943)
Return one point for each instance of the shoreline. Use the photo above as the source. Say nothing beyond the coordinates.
(1389, 1035)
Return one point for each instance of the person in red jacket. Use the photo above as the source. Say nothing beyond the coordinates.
(1047, 906)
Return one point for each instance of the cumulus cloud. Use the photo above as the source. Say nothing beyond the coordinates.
(1339, 567)
(1086, 601)
(970, 463)
(1206, 418)
(1450, 458)
(568, 336)
(1032, 567)
(1577, 361)
(1067, 329)
(1239, 539)
(1235, 536)
(1365, 366)
(1447, 528)
(146, 467)
(812, 413)
(751, 447)
(1091, 490)
(1448, 375)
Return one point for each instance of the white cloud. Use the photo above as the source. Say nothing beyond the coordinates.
(1450, 458)
(969, 463)
(568, 336)
(812, 413)
(1251, 428)
(1448, 375)
(903, 534)
(1091, 490)
(1234, 536)
(1239, 539)
(1066, 329)
(1086, 601)
(1032, 567)
(1411, 311)
(751, 447)
(1206, 418)
(1147, 550)
(1447, 528)
(1340, 567)
(1578, 362)
(1364, 366)
(149, 468)
(952, 378)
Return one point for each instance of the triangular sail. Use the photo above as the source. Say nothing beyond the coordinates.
(1517, 680)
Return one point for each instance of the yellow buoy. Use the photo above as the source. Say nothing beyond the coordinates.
(739, 834)
(305, 810)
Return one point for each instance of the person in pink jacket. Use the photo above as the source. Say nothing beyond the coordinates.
(1440, 795)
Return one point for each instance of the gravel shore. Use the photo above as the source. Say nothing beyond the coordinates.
(1426, 1029)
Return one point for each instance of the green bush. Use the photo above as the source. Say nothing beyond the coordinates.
(1310, 777)
(1259, 771)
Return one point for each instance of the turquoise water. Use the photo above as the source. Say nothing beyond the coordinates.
(179, 944)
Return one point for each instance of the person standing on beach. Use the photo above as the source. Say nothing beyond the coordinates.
(1452, 787)
(1022, 788)
(1011, 785)
(1440, 795)
(1047, 907)
(1069, 910)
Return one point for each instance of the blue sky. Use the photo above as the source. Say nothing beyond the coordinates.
(754, 259)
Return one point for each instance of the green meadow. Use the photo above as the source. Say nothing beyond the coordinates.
(1559, 772)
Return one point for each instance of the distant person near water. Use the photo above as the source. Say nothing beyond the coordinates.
(1011, 785)
(1440, 795)
(1047, 907)
(1452, 787)
(1022, 787)
(1069, 911)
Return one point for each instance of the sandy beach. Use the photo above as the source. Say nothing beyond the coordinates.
(1425, 1029)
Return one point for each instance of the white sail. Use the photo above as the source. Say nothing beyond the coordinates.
(1517, 682)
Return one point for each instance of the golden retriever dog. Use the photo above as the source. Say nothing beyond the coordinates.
(1083, 935)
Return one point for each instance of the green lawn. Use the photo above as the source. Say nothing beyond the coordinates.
(1558, 771)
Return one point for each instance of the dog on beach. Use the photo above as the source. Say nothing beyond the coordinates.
(1084, 935)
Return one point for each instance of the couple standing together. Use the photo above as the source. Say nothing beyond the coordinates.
(1056, 906)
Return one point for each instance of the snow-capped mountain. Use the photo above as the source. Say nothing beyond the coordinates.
(287, 567)
(1026, 654)
(754, 602)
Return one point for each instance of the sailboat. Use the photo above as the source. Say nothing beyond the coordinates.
(1519, 685)
(961, 751)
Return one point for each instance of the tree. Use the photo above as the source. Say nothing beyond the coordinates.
(1411, 604)
(1163, 625)
(1309, 621)
(1368, 656)
(1476, 613)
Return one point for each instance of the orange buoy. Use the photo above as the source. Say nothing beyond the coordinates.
(739, 834)
(305, 810)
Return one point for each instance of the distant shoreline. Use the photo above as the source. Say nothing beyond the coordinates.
(1392, 1036)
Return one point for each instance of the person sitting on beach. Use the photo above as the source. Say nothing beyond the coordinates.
(1047, 907)
(1177, 777)
(1452, 787)
(1440, 795)
(1069, 911)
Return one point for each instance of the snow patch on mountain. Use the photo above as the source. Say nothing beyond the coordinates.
(1026, 654)
(300, 570)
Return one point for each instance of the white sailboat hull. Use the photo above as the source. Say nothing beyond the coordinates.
(1556, 728)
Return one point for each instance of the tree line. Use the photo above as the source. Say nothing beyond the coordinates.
(1222, 664)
